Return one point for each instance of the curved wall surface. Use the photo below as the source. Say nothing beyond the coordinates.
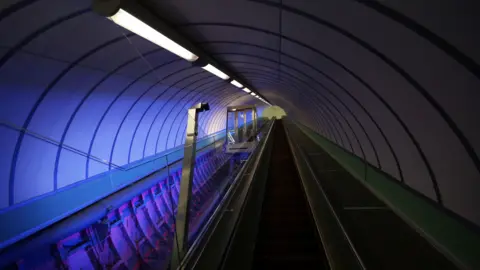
(80, 96)
(394, 82)
(274, 111)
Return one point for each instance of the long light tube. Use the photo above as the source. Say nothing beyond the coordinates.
(237, 84)
(253, 94)
(130, 22)
(215, 71)
(246, 90)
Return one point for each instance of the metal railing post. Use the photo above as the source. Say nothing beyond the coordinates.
(182, 218)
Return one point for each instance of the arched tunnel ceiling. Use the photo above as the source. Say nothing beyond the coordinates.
(394, 82)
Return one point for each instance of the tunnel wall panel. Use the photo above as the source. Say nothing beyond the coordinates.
(445, 229)
(7, 144)
(53, 114)
(18, 94)
(403, 92)
(68, 174)
(391, 79)
(38, 15)
(37, 179)
(74, 81)
(404, 74)
(459, 18)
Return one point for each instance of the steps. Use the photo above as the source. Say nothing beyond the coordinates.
(287, 236)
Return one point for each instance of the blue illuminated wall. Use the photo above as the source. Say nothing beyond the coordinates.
(80, 96)
(393, 82)
(137, 230)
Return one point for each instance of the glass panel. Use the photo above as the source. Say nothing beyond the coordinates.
(139, 231)
(231, 132)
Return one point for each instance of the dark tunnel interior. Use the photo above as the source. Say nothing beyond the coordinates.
(394, 84)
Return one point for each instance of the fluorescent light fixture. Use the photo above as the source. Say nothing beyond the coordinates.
(246, 90)
(215, 71)
(253, 94)
(237, 84)
(130, 22)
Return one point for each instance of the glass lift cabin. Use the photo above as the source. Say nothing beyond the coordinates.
(241, 128)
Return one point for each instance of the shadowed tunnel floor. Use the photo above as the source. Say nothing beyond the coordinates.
(382, 239)
(287, 236)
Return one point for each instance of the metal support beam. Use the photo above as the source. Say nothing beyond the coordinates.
(153, 17)
(240, 141)
(180, 245)
(254, 120)
(237, 138)
(244, 128)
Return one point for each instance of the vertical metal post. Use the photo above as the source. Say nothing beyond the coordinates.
(254, 120)
(245, 135)
(236, 127)
(227, 129)
(182, 219)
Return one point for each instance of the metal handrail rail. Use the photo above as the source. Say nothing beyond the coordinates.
(242, 208)
(170, 151)
(227, 197)
(94, 211)
(294, 146)
(95, 158)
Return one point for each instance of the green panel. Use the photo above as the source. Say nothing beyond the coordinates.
(443, 230)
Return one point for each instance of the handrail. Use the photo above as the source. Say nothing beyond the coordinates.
(56, 143)
(216, 216)
(95, 209)
(80, 218)
(243, 206)
(170, 151)
(301, 156)
(95, 158)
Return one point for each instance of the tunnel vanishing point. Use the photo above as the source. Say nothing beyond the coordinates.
(371, 163)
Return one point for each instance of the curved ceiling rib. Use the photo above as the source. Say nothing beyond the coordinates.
(323, 104)
(330, 115)
(389, 131)
(177, 104)
(214, 120)
(358, 78)
(330, 92)
(341, 115)
(423, 32)
(318, 109)
(377, 79)
(431, 100)
(6, 12)
(332, 80)
(12, 52)
(134, 103)
(323, 97)
(89, 93)
(118, 98)
(212, 98)
(326, 119)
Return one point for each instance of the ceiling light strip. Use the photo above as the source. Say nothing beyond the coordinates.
(237, 84)
(133, 24)
(217, 72)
